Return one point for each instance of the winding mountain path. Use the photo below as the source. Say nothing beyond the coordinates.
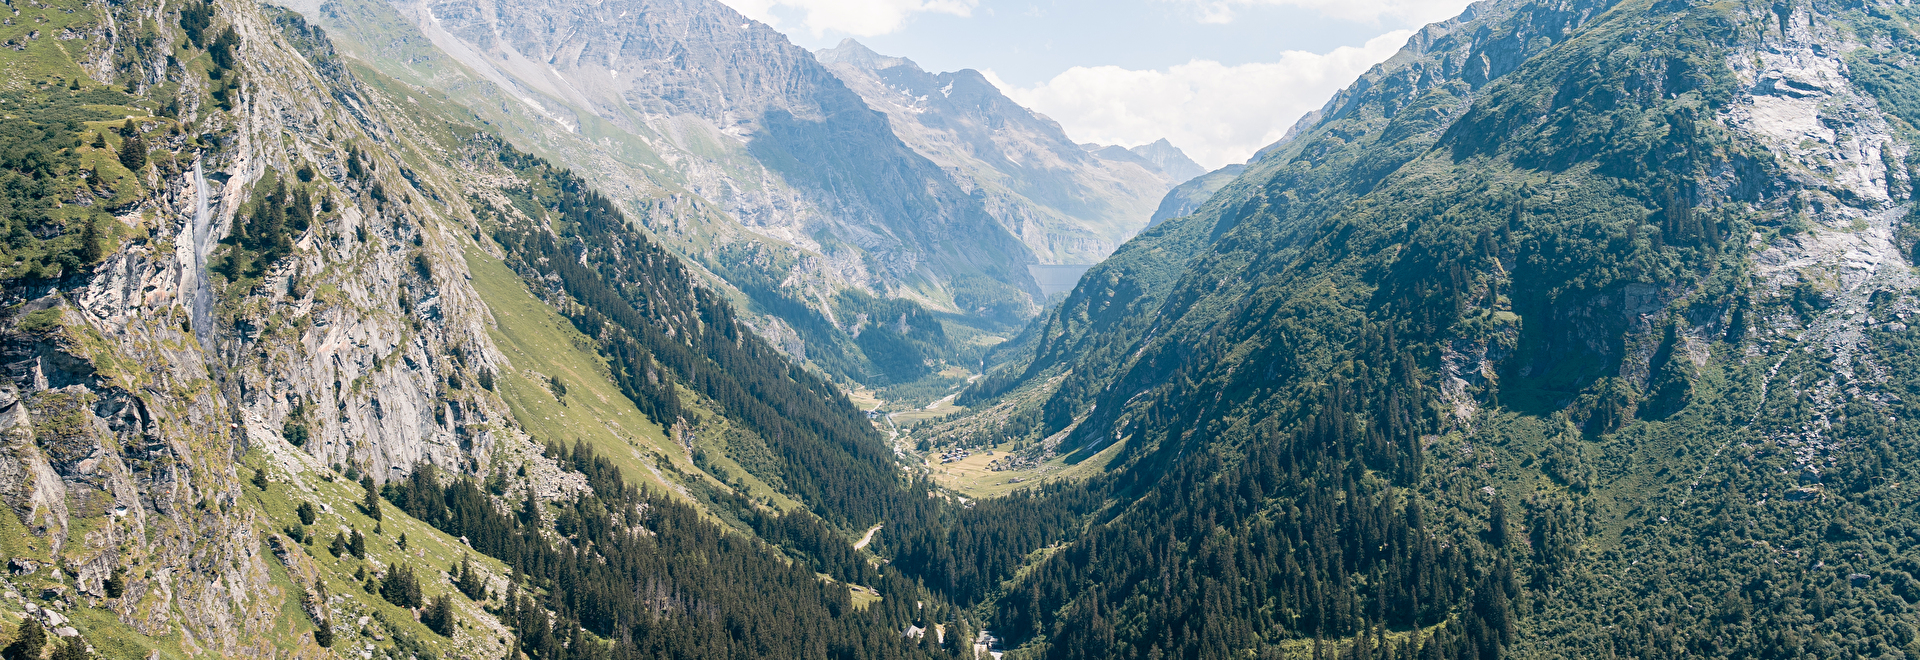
(864, 540)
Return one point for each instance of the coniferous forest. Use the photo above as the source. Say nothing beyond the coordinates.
(1349, 561)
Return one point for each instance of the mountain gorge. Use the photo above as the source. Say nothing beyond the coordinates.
(1578, 328)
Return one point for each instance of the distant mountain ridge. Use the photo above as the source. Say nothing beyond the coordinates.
(1190, 196)
(1067, 205)
(1170, 159)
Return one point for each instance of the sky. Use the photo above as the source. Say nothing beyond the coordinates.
(1218, 78)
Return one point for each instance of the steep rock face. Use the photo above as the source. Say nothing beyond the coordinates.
(1846, 183)
(93, 469)
(377, 297)
(141, 391)
(1069, 206)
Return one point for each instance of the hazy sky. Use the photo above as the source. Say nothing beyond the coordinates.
(1219, 78)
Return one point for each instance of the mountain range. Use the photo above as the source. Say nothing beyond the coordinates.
(1577, 328)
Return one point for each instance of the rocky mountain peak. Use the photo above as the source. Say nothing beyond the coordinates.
(1170, 159)
(854, 53)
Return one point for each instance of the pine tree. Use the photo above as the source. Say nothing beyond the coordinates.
(222, 48)
(74, 649)
(295, 432)
(133, 150)
(400, 587)
(116, 583)
(469, 581)
(194, 20)
(371, 502)
(357, 544)
(89, 250)
(1497, 526)
(530, 510)
(960, 639)
(28, 643)
(439, 616)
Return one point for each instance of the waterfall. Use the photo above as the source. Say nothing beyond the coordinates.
(202, 289)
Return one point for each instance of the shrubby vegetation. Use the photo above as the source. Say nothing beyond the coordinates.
(264, 235)
(51, 206)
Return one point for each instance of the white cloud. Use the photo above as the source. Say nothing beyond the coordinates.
(861, 18)
(1404, 12)
(1218, 114)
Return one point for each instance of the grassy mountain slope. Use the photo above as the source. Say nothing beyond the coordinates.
(591, 406)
